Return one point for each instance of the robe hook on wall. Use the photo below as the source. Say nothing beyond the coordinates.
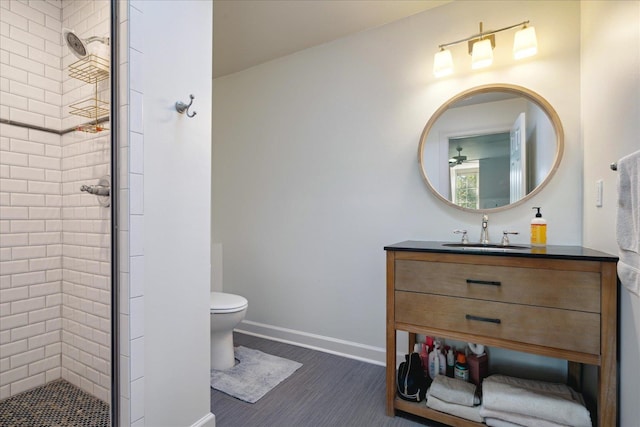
(181, 107)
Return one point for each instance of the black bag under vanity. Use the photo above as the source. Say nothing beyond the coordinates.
(412, 384)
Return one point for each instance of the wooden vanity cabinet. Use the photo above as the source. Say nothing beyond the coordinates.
(560, 302)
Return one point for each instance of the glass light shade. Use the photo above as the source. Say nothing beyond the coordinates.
(442, 63)
(525, 43)
(482, 54)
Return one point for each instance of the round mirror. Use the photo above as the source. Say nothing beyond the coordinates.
(491, 147)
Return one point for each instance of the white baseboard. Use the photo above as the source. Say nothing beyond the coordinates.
(208, 420)
(352, 350)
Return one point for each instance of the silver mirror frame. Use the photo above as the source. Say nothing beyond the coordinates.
(509, 88)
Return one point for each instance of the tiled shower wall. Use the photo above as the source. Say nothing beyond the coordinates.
(54, 271)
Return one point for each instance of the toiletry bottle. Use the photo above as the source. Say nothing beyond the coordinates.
(538, 230)
(461, 369)
(437, 363)
(424, 358)
(450, 363)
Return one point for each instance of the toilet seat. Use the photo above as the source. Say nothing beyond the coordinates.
(227, 303)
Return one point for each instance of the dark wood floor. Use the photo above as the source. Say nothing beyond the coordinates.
(327, 390)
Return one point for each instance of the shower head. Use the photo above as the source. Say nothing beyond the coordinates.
(78, 46)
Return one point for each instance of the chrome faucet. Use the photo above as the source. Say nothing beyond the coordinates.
(484, 233)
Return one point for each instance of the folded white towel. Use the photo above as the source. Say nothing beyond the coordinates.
(517, 419)
(628, 221)
(471, 413)
(453, 390)
(495, 422)
(553, 402)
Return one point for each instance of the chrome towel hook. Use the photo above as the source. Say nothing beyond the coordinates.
(181, 107)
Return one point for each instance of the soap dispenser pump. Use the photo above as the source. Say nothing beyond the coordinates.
(538, 230)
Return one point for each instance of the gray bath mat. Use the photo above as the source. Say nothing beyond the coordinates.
(254, 376)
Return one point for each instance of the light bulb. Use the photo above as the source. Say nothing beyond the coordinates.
(525, 43)
(482, 54)
(442, 63)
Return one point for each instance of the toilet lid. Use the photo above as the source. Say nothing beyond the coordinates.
(227, 303)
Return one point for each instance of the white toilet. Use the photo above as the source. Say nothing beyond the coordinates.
(227, 310)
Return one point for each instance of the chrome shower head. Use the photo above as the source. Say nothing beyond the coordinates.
(78, 46)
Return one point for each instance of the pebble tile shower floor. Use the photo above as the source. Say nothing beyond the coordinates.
(56, 404)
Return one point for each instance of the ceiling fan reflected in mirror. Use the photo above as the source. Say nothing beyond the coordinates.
(457, 160)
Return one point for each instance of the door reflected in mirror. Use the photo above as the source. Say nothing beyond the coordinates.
(490, 147)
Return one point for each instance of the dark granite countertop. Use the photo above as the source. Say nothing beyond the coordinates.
(551, 251)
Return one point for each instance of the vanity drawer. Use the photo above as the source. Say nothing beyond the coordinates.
(549, 327)
(567, 289)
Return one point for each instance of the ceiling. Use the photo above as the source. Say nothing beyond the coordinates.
(250, 32)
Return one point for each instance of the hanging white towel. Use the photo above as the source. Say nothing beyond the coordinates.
(628, 221)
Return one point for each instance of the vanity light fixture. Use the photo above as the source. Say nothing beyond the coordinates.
(481, 47)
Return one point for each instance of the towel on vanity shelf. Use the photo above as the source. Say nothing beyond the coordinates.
(471, 413)
(452, 390)
(628, 221)
(495, 422)
(551, 402)
(505, 418)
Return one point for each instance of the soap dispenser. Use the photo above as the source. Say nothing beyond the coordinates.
(538, 230)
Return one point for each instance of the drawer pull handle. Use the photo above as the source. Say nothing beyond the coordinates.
(482, 319)
(483, 282)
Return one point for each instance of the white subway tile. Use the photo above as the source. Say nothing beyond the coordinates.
(24, 10)
(27, 384)
(44, 108)
(53, 275)
(28, 332)
(14, 267)
(137, 358)
(44, 187)
(46, 83)
(19, 172)
(45, 340)
(14, 321)
(22, 199)
(41, 264)
(43, 365)
(51, 10)
(44, 212)
(14, 20)
(14, 185)
(5, 253)
(26, 64)
(14, 294)
(24, 279)
(53, 349)
(14, 375)
(26, 252)
(44, 314)
(136, 112)
(27, 357)
(137, 399)
(13, 348)
(26, 91)
(13, 73)
(11, 240)
(14, 159)
(15, 101)
(19, 226)
(22, 146)
(14, 46)
(13, 212)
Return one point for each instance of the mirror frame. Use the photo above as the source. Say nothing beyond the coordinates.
(509, 88)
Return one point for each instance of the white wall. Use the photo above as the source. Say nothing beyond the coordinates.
(177, 211)
(610, 128)
(315, 164)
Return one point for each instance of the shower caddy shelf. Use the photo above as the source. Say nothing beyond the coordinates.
(91, 69)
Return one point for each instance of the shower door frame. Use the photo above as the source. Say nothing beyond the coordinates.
(115, 204)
